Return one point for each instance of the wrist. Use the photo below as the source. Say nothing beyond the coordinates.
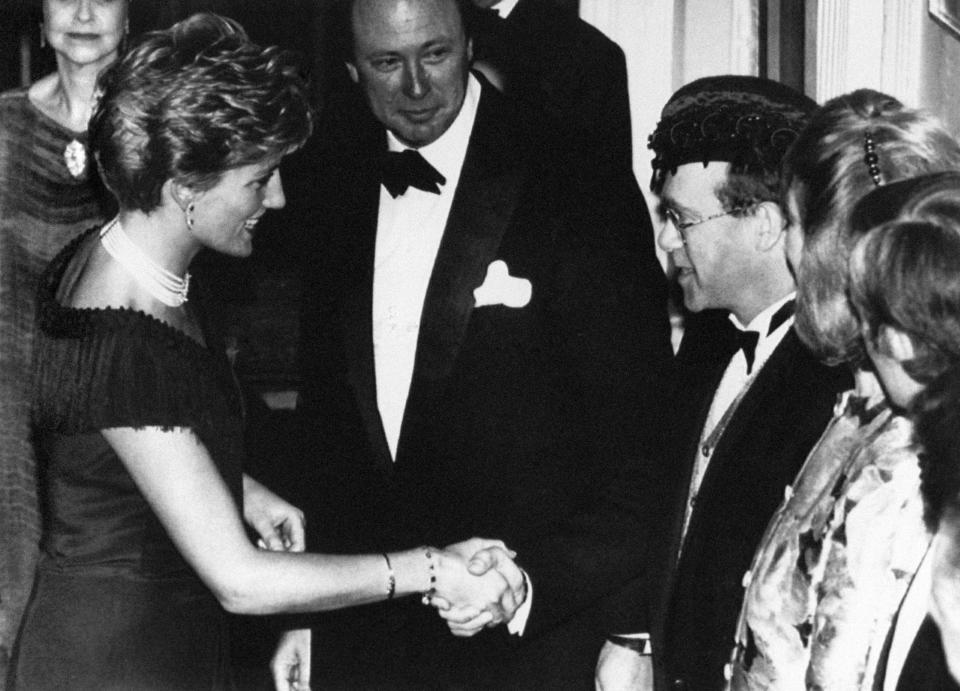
(414, 570)
(391, 577)
(525, 588)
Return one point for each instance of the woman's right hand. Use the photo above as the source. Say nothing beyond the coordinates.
(478, 585)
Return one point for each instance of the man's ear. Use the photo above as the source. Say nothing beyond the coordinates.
(896, 343)
(770, 227)
(352, 71)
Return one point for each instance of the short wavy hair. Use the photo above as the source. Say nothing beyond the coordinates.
(825, 173)
(191, 102)
(905, 271)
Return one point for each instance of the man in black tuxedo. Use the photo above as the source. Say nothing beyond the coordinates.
(751, 399)
(553, 61)
(483, 353)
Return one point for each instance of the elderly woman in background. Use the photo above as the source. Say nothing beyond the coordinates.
(137, 412)
(48, 194)
(838, 556)
(905, 287)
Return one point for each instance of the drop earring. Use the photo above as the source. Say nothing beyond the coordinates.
(188, 214)
(43, 36)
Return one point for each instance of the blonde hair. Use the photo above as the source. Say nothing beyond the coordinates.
(826, 173)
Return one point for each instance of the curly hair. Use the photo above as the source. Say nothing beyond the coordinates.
(191, 102)
(826, 173)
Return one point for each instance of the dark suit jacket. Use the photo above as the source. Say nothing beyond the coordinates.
(521, 424)
(925, 668)
(692, 621)
(555, 62)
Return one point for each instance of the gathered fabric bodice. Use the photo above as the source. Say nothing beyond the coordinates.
(103, 368)
(836, 560)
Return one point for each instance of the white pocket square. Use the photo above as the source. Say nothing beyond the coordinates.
(500, 288)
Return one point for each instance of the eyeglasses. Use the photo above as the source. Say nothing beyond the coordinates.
(682, 226)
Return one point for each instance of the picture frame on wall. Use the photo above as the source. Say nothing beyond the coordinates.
(947, 13)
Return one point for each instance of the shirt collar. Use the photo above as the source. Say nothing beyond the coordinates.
(505, 7)
(761, 322)
(447, 153)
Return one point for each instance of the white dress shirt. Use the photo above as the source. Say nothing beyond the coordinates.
(409, 231)
(505, 7)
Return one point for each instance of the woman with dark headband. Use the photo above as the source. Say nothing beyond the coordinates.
(136, 408)
(838, 556)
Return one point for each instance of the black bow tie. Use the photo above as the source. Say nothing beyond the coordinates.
(781, 315)
(408, 168)
(747, 340)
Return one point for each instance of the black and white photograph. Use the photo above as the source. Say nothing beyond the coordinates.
(452, 345)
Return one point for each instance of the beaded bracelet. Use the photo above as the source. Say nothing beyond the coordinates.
(432, 573)
(392, 580)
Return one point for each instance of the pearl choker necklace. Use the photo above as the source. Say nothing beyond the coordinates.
(164, 285)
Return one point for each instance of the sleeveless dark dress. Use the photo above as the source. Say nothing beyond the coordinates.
(114, 605)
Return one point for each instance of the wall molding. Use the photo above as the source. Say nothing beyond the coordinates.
(851, 45)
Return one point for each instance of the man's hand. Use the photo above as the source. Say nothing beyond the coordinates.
(280, 525)
(469, 548)
(497, 582)
(623, 669)
(468, 621)
(290, 665)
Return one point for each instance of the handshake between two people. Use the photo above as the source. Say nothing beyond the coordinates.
(478, 585)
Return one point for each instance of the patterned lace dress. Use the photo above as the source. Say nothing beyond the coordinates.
(836, 559)
(42, 207)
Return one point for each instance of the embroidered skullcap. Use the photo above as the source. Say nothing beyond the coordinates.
(748, 121)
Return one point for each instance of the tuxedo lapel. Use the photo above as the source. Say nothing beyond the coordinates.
(769, 381)
(358, 316)
(689, 449)
(483, 205)
(699, 385)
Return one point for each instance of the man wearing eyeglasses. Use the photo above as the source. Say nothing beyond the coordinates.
(751, 399)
